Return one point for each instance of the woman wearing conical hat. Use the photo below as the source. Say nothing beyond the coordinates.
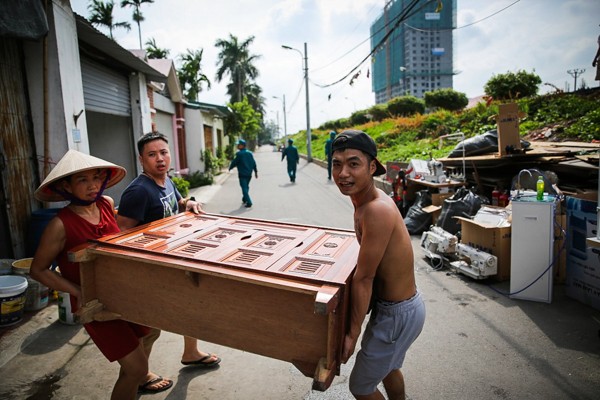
(81, 179)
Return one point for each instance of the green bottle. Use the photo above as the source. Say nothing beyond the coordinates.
(540, 188)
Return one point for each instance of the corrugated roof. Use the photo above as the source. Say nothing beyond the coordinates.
(222, 111)
(111, 52)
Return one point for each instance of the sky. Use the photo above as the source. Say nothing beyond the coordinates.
(548, 37)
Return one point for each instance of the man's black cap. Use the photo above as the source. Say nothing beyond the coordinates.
(353, 139)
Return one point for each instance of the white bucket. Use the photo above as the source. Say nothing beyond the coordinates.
(37, 294)
(12, 298)
(65, 311)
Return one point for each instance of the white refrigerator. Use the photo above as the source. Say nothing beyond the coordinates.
(532, 248)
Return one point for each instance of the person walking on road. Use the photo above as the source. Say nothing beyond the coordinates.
(153, 196)
(384, 280)
(291, 152)
(245, 164)
(81, 179)
(329, 153)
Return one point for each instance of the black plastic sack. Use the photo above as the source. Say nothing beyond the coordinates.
(418, 221)
(481, 144)
(463, 203)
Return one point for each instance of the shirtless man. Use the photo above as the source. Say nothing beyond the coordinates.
(384, 276)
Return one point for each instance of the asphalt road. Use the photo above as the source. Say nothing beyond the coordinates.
(476, 344)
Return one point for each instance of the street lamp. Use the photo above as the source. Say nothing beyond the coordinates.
(308, 134)
(403, 70)
(284, 118)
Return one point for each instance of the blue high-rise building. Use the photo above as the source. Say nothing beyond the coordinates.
(417, 55)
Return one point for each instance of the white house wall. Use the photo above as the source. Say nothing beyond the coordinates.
(65, 90)
(194, 139)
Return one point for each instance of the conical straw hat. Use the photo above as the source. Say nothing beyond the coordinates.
(72, 162)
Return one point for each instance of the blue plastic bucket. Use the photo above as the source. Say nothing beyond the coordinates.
(37, 224)
(12, 299)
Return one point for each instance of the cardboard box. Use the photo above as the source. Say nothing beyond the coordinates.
(508, 128)
(492, 240)
(583, 268)
(435, 209)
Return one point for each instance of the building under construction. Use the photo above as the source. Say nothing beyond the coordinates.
(412, 48)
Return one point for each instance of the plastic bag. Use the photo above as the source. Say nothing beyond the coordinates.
(417, 221)
(463, 203)
(481, 144)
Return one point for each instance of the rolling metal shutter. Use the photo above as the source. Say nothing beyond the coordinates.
(104, 90)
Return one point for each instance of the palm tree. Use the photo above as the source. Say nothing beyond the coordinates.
(153, 51)
(190, 74)
(102, 14)
(137, 14)
(255, 98)
(235, 60)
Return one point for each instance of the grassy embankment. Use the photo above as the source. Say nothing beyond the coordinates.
(569, 116)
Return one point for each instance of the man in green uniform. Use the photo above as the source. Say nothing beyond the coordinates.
(245, 164)
(329, 153)
(291, 152)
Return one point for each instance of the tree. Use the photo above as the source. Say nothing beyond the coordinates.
(406, 106)
(137, 14)
(448, 99)
(243, 121)
(268, 132)
(378, 112)
(255, 98)
(190, 74)
(513, 85)
(102, 14)
(153, 51)
(359, 117)
(235, 60)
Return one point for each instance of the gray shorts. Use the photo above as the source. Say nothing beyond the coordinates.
(392, 328)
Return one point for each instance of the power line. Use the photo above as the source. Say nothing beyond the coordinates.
(405, 14)
(467, 25)
(396, 21)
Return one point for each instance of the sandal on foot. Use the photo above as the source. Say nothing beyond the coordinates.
(202, 362)
(145, 388)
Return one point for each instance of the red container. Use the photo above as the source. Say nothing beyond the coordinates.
(495, 197)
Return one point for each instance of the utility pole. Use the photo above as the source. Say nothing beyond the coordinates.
(575, 73)
(308, 133)
(284, 121)
(284, 118)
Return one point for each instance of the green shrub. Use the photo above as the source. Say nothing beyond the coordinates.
(404, 106)
(558, 107)
(447, 99)
(513, 85)
(586, 128)
(379, 112)
(439, 123)
(359, 117)
(212, 164)
(198, 179)
(182, 185)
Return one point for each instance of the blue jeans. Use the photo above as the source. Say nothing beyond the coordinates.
(245, 184)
